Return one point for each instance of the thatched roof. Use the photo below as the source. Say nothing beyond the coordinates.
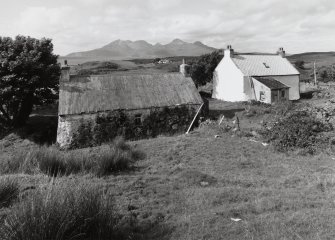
(96, 93)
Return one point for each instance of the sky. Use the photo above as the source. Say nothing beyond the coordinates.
(247, 25)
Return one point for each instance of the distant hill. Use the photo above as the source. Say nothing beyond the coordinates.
(120, 49)
(323, 58)
(323, 61)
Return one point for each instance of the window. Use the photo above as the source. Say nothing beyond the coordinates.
(282, 93)
(261, 96)
(138, 119)
(265, 65)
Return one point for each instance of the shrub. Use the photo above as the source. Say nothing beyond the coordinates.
(61, 211)
(9, 191)
(283, 107)
(299, 129)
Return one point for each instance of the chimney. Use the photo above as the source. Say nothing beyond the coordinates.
(185, 69)
(229, 52)
(281, 52)
(65, 72)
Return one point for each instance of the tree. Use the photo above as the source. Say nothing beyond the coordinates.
(29, 75)
(300, 64)
(202, 70)
(324, 75)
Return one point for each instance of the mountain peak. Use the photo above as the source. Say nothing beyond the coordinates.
(119, 41)
(177, 41)
(199, 43)
(126, 49)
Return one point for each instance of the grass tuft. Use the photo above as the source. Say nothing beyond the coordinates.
(117, 156)
(63, 211)
(9, 191)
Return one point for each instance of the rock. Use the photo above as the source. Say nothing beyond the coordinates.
(26, 142)
(204, 184)
(6, 144)
(255, 134)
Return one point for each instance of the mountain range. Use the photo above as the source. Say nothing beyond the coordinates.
(126, 49)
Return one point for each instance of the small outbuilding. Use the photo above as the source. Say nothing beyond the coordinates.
(96, 108)
(262, 77)
(269, 90)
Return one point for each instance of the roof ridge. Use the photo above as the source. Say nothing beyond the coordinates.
(258, 54)
(127, 74)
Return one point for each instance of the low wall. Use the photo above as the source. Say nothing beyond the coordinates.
(75, 131)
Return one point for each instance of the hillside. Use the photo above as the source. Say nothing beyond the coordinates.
(120, 49)
(322, 58)
(199, 186)
(323, 61)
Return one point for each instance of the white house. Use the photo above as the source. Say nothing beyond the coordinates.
(261, 77)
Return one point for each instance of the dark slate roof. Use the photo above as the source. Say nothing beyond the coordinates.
(96, 93)
(271, 83)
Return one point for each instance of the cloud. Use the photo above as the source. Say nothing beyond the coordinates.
(252, 25)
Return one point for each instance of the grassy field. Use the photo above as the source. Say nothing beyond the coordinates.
(193, 186)
(210, 184)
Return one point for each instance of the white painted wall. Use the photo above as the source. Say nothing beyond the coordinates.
(292, 81)
(228, 81)
(260, 87)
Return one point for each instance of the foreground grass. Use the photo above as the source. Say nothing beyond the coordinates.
(70, 210)
(195, 184)
(199, 183)
(115, 157)
(9, 191)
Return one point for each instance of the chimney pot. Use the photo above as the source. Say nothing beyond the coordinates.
(65, 72)
(184, 69)
(281, 52)
(229, 52)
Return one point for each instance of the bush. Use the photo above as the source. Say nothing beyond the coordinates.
(9, 191)
(61, 211)
(297, 130)
(283, 107)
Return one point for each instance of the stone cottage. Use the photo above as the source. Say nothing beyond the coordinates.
(261, 77)
(96, 108)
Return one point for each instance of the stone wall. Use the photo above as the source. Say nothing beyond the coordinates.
(75, 131)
